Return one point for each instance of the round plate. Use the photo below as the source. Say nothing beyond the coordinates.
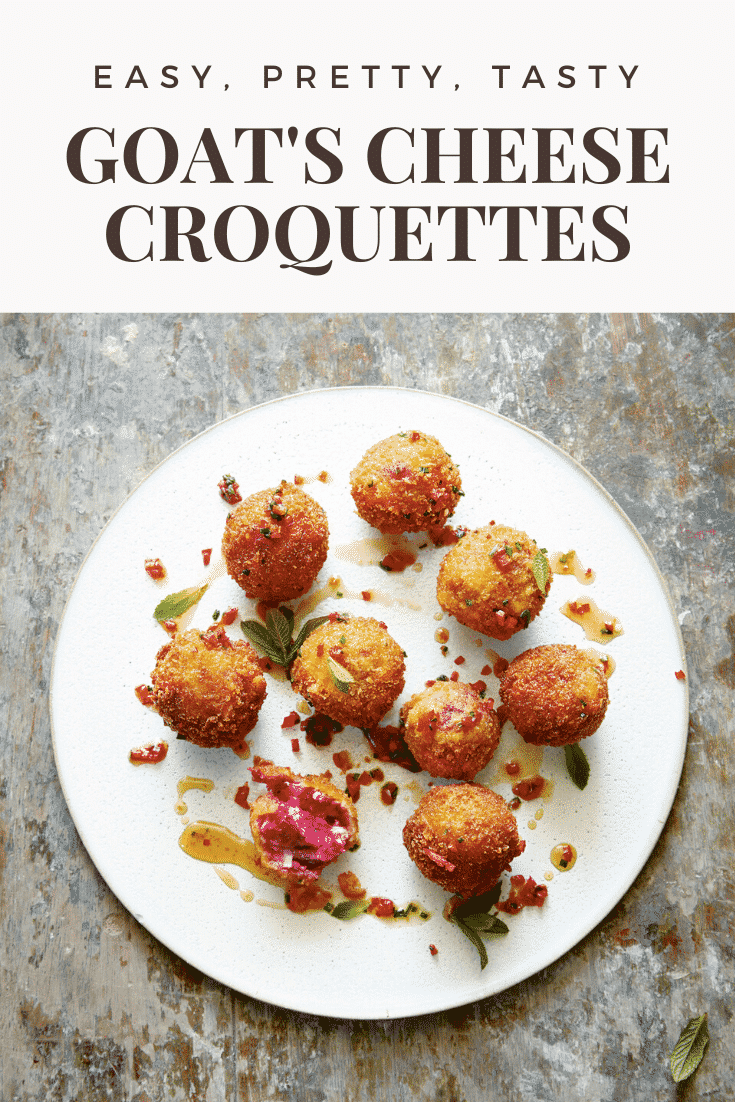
(128, 817)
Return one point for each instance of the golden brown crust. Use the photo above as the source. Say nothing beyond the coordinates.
(266, 806)
(363, 647)
(462, 837)
(486, 581)
(554, 694)
(450, 730)
(406, 483)
(209, 694)
(276, 555)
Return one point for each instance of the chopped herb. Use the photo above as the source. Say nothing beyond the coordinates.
(526, 617)
(341, 677)
(349, 908)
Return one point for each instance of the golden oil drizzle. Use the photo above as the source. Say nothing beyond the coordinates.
(305, 480)
(548, 876)
(270, 903)
(557, 857)
(604, 660)
(540, 813)
(187, 783)
(226, 878)
(568, 562)
(414, 790)
(218, 845)
(335, 588)
(246, 895)
(372, 549)
(441, 635)
(599, 626)
(532, 824)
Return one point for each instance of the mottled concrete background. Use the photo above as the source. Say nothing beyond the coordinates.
(94, 1008)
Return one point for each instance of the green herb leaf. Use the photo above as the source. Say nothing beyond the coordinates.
(350, 908)
(474, 937)
(489, 925)
(279, 628)
(261, 638)
(689, 1050)
(540, 568)
(341, 677)
(175, 604)
(480, 903)
(306, 630)
(578, 767)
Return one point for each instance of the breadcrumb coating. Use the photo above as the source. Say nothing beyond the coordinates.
(372, 658)
(487, 581)
(554, 694)
(208, 689)
(406, 483)
(462, 837)
(450, 730)
(275, 543)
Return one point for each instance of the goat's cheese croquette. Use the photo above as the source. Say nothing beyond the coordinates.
(301, 824)
(406, 483)
(450, 730)
(350, 669)
(275, 543)
(462, 837)
(554, 694)
(491, 580)
(207, 688)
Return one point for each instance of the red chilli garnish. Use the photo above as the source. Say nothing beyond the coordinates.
(381, 907)
(529, 789)
(143, 693)
(295, 745)
(433, 950)
(206, 555)
(524, 892)
(241, 796)
(230, 616)
(155, 569)
(459, 660)
(291, 720)
(680, 675)
(149, 755)
(229, 490)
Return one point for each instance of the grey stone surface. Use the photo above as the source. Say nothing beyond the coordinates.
(92, 1007)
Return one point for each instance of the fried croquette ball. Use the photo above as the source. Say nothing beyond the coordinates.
(450, 730)
(495, 580)
(462, 836)
(407, 483)
(207, 688)
(301, 824)
(554, 694)
(374, 665)
(275, 543)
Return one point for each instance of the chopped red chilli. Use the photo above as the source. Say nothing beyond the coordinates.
(170, 626)
(295, 745)
(381, 907)
(433, 950)
(155, 569)
(229, 490)
(529, 789)
(206, 555)
(524, 892)
(149, 755)
(230, 616)
(143, 693)
(388, 793)
(291, 720)
(241, 796)
(459, 660)
(680, 675)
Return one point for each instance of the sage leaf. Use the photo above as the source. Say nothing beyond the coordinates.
(176, 604)
(689, 1050)
(260, 637)
(578, 767)
(341, 677)
(350, 908)
(306, 630)
(480, 903)
(474, 937)
(279, 630)
(489, 925)
(540, 568)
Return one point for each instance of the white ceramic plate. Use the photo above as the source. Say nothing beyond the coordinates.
(127, 817)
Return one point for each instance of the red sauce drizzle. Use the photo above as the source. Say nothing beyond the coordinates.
(320, 729)
(154, 568)
(395, 562)
(524, 892)
(149, 755)
(241, 796)
(381, 907)
(530, 789)
(388, 744)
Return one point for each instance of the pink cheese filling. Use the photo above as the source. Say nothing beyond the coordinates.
(308, 829)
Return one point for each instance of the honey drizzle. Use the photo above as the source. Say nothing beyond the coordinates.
(593, 621)
(572, 565)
